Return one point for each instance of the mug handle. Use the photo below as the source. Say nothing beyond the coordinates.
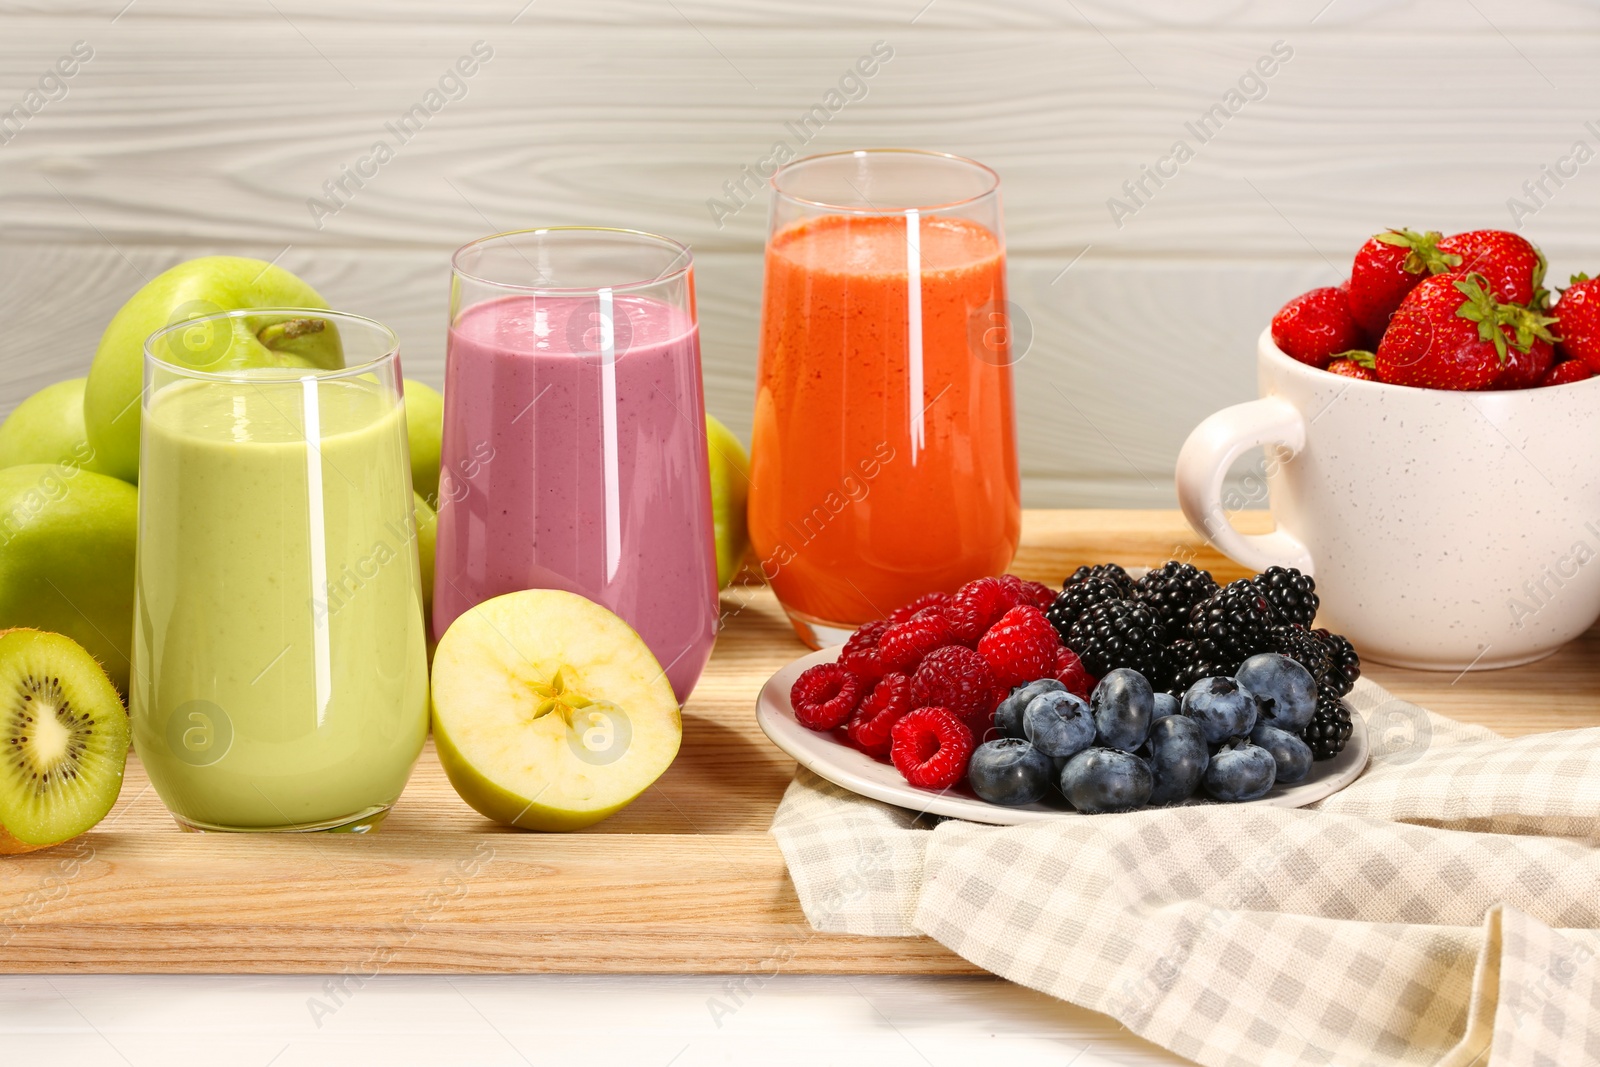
(1203, 465)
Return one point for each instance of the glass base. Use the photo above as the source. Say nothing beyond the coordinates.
(819, 633)
(361, 822)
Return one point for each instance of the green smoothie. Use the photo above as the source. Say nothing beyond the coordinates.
(279, 664)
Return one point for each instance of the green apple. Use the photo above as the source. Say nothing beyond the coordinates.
(427, 539)
(48, 428)
(549, 712)
(190, 290)
(730, 495)
(66, 558)
(424, 428)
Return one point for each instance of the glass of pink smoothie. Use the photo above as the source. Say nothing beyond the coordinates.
(574, 452)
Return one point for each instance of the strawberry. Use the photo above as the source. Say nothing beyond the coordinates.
(1388, 267)
(1315, 325)
(1526, 369)
(1450, 333)
(1572, 370)
(1355, 364)
(1579, 312)
(1511, 265)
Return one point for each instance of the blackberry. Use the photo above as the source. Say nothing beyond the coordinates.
(1344, 666)
(1106, 572)
(1185, 662)
(1117, 633)
(1330, 727)
(1078, 598)
(1171, 590)
(1304, 647)
(1234, 623)
(1291, 593)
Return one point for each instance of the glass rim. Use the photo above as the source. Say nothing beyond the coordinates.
(644, 237)
(926, 153)
(268, 374)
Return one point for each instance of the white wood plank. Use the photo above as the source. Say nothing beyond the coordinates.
(1513, 16)
(640, 124)
(402, 1020)
(201, 127)
(1126, 356)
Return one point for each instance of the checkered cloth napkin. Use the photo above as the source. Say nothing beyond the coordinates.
(1444, 909)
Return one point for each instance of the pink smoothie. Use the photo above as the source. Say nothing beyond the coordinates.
(567, 467)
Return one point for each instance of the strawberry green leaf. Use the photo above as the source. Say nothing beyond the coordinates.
(1424, 254)
(1360, 357)
(1481, 308)
(1528, 324)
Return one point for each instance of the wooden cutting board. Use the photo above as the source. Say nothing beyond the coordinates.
(686, 880)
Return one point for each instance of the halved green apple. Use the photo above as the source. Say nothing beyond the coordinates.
(549, 712)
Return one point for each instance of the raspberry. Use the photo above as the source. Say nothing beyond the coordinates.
(877, 713)
(860, 653)
(1038, 594)
(931, 747)
(1070, 672)
(904, 644)
(824, 696)
(922, 603)
(977, 606)
(958, 679)
(1021, 647)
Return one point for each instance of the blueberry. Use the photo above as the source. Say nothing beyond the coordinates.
(1178, 758)
(1292, 755)
(1285, 692)
(1222, 707)
(1166, 704)
(1105, 779)
(1123, 706)
(1009, 771)
(1008, 716)
(1240, 771)
(1058, 723)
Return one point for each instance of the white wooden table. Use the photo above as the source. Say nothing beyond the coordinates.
(178, 1021)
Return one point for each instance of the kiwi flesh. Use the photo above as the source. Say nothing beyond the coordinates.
(63, 740)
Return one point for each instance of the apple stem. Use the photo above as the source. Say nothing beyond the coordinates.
(280, 333)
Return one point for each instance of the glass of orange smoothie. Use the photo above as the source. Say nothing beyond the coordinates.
(883, 455)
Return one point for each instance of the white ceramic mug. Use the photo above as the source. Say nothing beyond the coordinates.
(1446, 530)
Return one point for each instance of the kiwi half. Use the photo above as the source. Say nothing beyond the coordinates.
(63, 740)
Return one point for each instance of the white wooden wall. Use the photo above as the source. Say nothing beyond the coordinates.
(203, 127)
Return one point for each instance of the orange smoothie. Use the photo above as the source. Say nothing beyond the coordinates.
(883, 458)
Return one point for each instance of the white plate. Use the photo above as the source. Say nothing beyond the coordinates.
(856, 771)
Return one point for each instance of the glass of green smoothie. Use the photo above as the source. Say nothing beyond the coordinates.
(279, 663)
